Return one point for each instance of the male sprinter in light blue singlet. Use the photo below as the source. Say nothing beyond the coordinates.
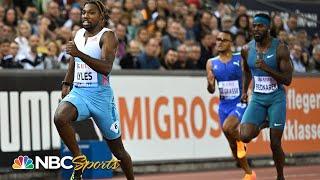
(226, 69)
(267, 62)
(94, 48)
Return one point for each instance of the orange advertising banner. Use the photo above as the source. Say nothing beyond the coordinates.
(302, 131)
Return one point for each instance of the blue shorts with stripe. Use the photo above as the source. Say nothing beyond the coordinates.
(99, 104)
(231, 109)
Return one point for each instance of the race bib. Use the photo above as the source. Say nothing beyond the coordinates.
(229, 89)
(265, 84)
(84, 76)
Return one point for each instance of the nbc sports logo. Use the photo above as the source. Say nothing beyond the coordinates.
(47, 162)
(22, 162)
(55, 162)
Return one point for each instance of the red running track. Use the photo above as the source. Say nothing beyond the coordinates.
(311, 172)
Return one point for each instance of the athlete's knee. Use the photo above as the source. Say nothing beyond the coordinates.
(248, 132)
(62, 117)
(229, 129)
(245, 137)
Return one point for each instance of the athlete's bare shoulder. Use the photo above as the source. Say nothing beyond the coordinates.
(283, 52)
(109, 37)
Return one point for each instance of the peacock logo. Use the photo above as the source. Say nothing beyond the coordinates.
(23, 162)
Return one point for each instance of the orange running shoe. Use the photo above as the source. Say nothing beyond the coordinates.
(241, 149)
(251, 176)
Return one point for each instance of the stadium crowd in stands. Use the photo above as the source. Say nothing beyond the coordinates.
(153, 34)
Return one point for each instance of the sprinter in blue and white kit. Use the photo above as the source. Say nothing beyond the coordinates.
(93, 48)
(226, 69)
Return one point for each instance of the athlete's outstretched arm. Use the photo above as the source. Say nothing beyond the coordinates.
(246, 77)
(109, 44)
(284, 63)
(210, 78)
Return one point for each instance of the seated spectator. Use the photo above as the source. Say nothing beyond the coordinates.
(242, 9)
(298, 60)
(149, 13)
(158, 35)
(226, 23)
(122, 38)
(240, 41)
(142, 37)
(63, 35)
(292, 24)
(283, 36)
(148, 59)
(14, 48)
(170, 59)
(74, 18)
(33, 60)
(129, 61)
(203, 25)
(206, 49)
(7, 60)
(54, 15)
(128, 6)
(125, 19)
(8, 31)
(45, 34)
(302, 37)
(24, 32)
(189, 23)
(133, 27)
(171, 41)
(315, 60)
(51, 59)
(276, 25)
(63, 58)
(182, 57)
(315, 40)
(194, 54)
(180, 10)
(214, 23)
(31, 16)
(160, 24)
(115, 16)
(11, 17)
(242, 25)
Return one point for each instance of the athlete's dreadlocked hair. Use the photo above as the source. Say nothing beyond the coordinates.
(102, 9)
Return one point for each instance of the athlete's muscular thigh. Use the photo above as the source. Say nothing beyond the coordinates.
(253, 117)
(65, 112)
(230, 124)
